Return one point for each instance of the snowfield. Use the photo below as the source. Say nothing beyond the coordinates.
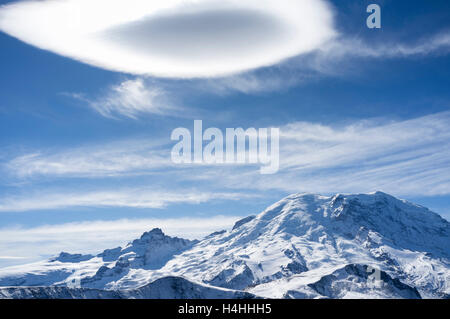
(304, 246)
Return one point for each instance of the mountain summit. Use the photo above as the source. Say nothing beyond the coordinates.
(304, 246)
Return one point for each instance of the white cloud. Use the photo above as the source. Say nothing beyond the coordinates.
(410, 157)
(131, 98)
(172, 38)
(251, 82)
(337, 58)
(135, 156)
(28, 244)
(406, 157)
(311, 145)
(199, 38)
(356, 47)
(130, 197)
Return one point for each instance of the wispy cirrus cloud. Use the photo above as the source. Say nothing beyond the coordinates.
(404, 157)
(375, 142)
(330, 59)
(409, 157)
(132, 99)
(124, 197)
(126, 157)
(344, 47)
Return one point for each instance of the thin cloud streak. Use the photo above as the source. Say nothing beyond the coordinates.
(408, 157)
(347, 47)
(313, 145)
(131, 198)
(404, 158)
(127, 157)
(328, 60)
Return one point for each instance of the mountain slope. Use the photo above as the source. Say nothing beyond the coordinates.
(304, 246)
(165, 288)
(307, 234)
(151, 251)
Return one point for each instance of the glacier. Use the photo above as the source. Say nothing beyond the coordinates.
(304, 246)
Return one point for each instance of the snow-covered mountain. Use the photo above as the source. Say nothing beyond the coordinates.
(304, 246)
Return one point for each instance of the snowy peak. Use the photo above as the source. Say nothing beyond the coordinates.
(156, 237)
(308, 235)
(155, 234)
(303, 246)
(153, 249)
(404, 224)
(150, 252)
(152, 243)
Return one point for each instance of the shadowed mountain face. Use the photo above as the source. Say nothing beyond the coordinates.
(164, 288)
(304, 246)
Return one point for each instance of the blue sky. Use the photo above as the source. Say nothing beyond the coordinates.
(89, 143)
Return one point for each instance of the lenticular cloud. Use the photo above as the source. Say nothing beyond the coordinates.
(172, 38)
